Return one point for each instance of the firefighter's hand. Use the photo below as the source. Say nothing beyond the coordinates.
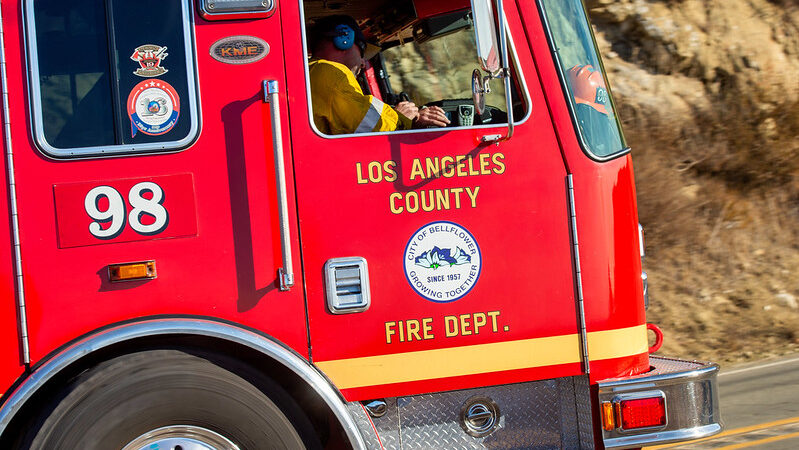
(432, 116)
(407, 109)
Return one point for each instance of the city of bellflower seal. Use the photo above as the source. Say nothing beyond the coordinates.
(442, 261)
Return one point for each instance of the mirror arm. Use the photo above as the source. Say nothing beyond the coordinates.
(505, 71)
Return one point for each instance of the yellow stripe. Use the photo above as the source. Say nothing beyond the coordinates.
(617, 343)
(747, 429)
(482, 358)
(760, 441)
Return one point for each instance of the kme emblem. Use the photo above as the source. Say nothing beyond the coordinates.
(239, 49)
(149, 57)
(442, 261)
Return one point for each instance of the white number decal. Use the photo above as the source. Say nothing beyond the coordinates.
(115, 212)
(147, 207)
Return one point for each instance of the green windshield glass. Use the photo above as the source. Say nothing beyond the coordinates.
(440, 68)
(575, 52)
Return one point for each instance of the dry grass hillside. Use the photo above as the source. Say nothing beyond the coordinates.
(709, 95)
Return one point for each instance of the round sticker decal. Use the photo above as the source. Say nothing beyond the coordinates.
(442, 261)
(153, 107)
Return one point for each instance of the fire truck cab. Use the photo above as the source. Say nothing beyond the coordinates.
(193, 259)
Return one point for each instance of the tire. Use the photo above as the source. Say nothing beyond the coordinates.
(120, 400)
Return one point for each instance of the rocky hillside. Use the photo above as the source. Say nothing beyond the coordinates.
(709, 95)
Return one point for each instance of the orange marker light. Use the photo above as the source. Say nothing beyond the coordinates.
(642, 412)
(608, 418)
(144, 270)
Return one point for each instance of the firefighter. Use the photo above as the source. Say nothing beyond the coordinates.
(593, 110)
(338, 54)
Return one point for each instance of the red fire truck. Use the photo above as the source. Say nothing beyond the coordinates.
(188, 262)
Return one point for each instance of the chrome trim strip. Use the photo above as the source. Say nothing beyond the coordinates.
(692, 405)
(578, 273)
(503, 46)
(519, 74)
(641, 249)
(663, 437)
(193, 326)
(34, 92)
(208, 14)
(12, 194)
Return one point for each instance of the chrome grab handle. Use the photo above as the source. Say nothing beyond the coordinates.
(285, 273)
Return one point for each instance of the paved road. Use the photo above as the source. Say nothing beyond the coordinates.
(759, 407)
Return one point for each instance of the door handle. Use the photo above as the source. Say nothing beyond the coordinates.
(285, 274)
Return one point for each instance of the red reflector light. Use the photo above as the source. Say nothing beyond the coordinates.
(642, 413)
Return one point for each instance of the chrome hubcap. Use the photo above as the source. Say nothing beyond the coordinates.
(181, 437)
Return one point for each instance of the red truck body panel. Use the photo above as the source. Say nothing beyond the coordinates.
(370, 196)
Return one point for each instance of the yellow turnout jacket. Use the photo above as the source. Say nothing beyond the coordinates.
(340, 107)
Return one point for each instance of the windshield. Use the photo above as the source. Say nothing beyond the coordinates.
(438, 69)
(575, 52)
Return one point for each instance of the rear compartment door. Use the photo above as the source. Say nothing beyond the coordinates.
(467, 247)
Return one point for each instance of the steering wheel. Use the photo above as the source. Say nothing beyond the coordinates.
(395, 99)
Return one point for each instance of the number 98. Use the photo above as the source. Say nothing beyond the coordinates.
(114, 212)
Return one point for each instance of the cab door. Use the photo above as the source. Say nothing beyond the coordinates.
(466, 246)
(145, 139)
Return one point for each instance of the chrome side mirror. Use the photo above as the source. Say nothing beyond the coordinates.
(493, 59)
(485, 35)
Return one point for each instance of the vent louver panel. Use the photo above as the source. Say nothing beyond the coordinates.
(347, 285)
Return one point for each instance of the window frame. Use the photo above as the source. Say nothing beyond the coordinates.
(35, 110)
(567, 93)
(517, 70)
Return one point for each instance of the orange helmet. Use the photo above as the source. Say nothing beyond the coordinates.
(589, 88)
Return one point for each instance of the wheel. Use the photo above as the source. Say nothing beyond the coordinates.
(172, 399)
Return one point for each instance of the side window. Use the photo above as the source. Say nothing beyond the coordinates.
(427, 54)
(111, 76)
(574, 49)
